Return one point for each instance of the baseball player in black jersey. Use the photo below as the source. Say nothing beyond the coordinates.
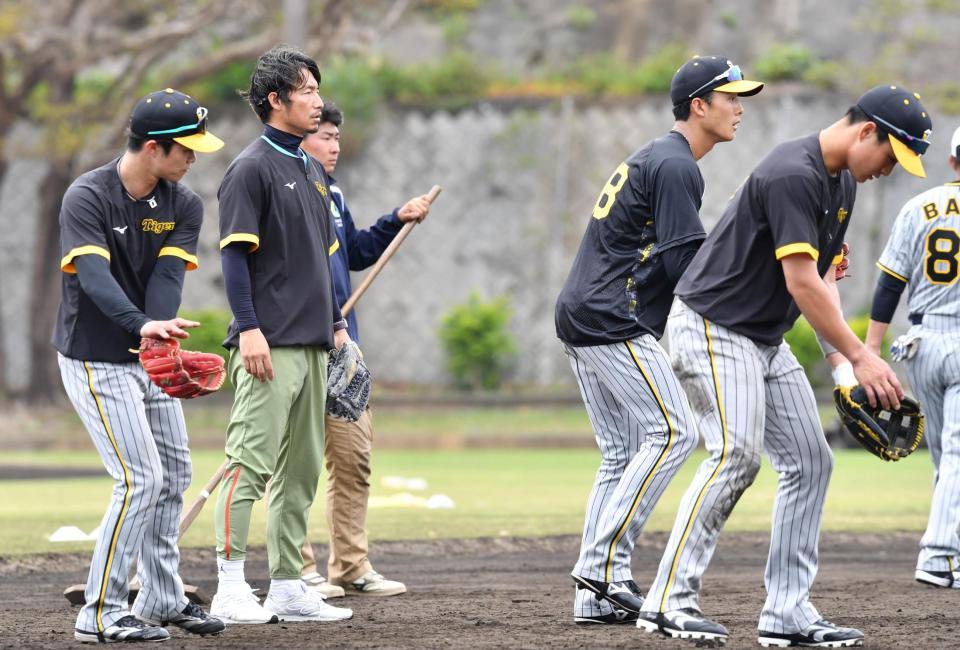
(769, 259)
(644, 229)
(276, 236)
(128, 231)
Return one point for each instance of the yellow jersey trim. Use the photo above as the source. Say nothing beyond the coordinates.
(334, 247)
(66, 264)
(799, 247)
(608, 570)
(252, 239)
(173, 251)
(837, 259)
(112, 548)
(723, 457)
(889, 272)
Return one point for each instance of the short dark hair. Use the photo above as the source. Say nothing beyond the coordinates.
(331, 113)
(682, 111)
(278, 71)
(135, 143)
(855, 115)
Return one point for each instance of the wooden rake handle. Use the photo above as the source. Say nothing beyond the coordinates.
(385, 257)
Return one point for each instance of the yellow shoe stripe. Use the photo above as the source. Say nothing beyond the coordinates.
(608, 572)
(703, 490)
(123, 510)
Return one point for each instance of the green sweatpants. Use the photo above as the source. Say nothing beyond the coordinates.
(276, 429)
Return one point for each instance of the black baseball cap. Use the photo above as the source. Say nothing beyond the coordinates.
(898, 112)
(171, 115)
(704, 74)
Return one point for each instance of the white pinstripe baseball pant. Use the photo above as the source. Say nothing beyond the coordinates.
(934, 375)
(142, 440)
(750, 398)
(644, 429)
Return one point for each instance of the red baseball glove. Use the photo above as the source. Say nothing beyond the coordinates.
(180, 373)
(844, 263)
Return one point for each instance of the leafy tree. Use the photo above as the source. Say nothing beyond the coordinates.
(70, 68)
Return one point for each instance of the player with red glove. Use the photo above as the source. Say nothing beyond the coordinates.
(128, 234)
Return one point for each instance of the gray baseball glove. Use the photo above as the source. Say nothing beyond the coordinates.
(348, 383)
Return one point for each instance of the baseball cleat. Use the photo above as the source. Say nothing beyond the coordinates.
(616, 617)
(822, 634)
(685, 623)
(374, 584)
(946, 579)
(316, 582)
(622, 595)
(193, 620)
(128, 629)
(240, 607)
(304, 606)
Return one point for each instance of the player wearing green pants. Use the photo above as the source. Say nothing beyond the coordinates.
(293, 404)
(276, 237)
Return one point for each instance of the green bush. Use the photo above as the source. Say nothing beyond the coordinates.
(803, 343)
(209, 336)
(946, 97)
(783, 61)
(478, 347)
(222, 86)
(353, 84)
(580, 17)
(859, 325)
(827, 75)
(605, 74)
(456, 81)
(456, 27)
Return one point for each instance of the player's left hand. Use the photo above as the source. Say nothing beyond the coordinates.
(841, 268)
(340, 337)
(415, 209)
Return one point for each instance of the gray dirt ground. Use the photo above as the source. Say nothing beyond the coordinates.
(516, 593)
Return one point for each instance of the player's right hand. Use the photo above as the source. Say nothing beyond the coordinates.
(255, 352)
(878, 380)
(164, 329)
(415, 209)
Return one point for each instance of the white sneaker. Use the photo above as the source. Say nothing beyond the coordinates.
(374, 584)
(240, 606)
(306, 605)
(316, 582)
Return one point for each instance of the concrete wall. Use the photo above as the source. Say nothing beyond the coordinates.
(519, 184)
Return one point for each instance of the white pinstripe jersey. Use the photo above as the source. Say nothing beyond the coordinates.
(924, 250)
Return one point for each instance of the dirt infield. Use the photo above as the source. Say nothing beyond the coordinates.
(515, 593)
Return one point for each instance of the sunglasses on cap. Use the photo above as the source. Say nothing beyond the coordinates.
(199, 127)
(916, 145)
(732, 73)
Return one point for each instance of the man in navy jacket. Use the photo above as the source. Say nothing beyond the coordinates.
(348, 445)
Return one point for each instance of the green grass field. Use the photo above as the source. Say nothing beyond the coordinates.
(497, 492)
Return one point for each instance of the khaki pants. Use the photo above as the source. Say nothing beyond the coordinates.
(347, 447)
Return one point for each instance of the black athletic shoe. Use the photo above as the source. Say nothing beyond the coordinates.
(634, 589)
(685, 623)
(946, 579)
(822, 634)
(616, 617)
(194, 620)
(618, 594)
(128, 629)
